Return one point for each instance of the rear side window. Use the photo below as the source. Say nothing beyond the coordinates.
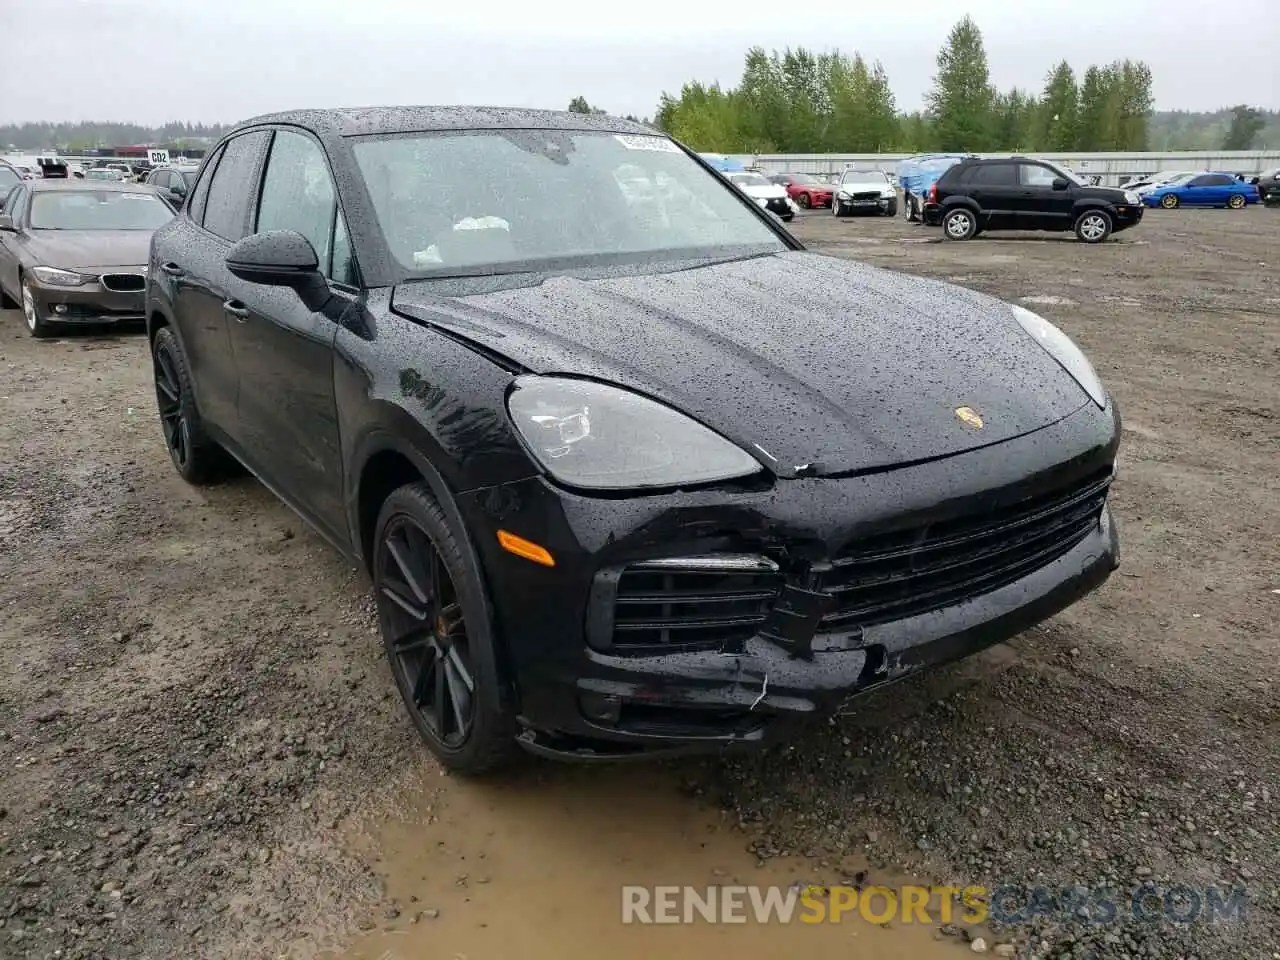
(993, 175)
(226, 211)
(196, 205)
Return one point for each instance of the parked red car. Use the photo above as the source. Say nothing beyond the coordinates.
(806, 190)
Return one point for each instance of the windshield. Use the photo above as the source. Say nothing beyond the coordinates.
(7, 179)
(806, 179)
(97, 210)
(749, 180)
(470, 202)
(864, 176)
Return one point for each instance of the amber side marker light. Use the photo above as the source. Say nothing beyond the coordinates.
(525, 548)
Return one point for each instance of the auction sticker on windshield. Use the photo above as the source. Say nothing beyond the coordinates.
(637, 142)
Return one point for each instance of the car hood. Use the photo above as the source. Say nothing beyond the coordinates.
(813, 364)
(90, 249)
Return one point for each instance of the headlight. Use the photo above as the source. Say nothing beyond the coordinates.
(1131, 198)
(588, 434)
(886, 191)
(843, 195)
(762, 201)
(1061, 348)
(60, 278)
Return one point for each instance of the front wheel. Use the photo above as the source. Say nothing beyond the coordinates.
(837, 208)
(804, 201)
(437, 630)
(892, 209)
(1093, 226)
(1236, 201)
(37, 325)
(959, 225)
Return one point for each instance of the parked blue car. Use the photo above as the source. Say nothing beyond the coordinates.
(1203, 190)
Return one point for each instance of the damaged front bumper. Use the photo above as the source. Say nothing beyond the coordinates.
(626, 649)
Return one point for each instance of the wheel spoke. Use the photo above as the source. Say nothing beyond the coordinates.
(459, 667)
(438, 674)
(398, 593)
(413, 641)
(459, 696)
(424, 682)
(412, 573)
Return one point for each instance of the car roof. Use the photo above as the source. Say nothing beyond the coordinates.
(363, 121)
(75, 183)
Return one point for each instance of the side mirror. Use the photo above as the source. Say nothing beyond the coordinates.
(280, 258)
(1059, 183)
(6, 224)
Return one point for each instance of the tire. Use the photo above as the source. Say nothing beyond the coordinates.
(788, 218)
(1093, 226)
(197, 458)
(457, 648)
(37, 326)
(1170, 202)
(892, 209)
(837, 208)
(805, 201)
(1236, 201)
(960, 224)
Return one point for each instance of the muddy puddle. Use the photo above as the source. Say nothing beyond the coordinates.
(535, 867)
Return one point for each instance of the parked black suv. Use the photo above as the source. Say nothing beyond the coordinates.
(1023, 193)
(616, 482)
(1269, 187)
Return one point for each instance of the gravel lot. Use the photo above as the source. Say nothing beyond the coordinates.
(203, 755)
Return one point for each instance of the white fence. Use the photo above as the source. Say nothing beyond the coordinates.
(1112, 168)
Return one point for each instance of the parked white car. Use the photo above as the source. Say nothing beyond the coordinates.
(772, 196)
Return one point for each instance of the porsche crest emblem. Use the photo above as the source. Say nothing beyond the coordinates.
(969, 416)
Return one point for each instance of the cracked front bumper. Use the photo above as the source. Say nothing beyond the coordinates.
(580, 697)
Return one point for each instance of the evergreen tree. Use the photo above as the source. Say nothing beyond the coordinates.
(1057, 116)
(962, 98)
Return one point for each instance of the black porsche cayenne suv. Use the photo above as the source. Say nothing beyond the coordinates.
(1026, 193)
(631, 471)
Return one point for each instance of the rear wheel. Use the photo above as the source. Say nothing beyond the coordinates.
(1169, 201)
(1093, 226)
(436, 628)
(959, 224)
(7, 302)
(198, 459)
(1236, 201)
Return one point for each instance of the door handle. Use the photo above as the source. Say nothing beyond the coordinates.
(172, 269)
(236, 309)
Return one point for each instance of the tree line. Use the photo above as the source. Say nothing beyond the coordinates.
(74, 137)
(799, 101)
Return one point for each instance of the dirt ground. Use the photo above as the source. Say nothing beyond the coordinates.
(203, 754)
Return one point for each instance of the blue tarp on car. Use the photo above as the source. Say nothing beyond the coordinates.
(722, 162)
(917, 174)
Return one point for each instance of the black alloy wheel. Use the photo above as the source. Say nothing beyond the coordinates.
(805, 201)
(173, 422)
(197, 458)
(435, 631)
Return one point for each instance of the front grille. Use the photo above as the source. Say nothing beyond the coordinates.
(663, 606)
(866, 197)
(123, 282)
(910, 572)
(778, 205)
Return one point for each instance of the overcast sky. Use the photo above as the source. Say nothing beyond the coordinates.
(226, 60)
